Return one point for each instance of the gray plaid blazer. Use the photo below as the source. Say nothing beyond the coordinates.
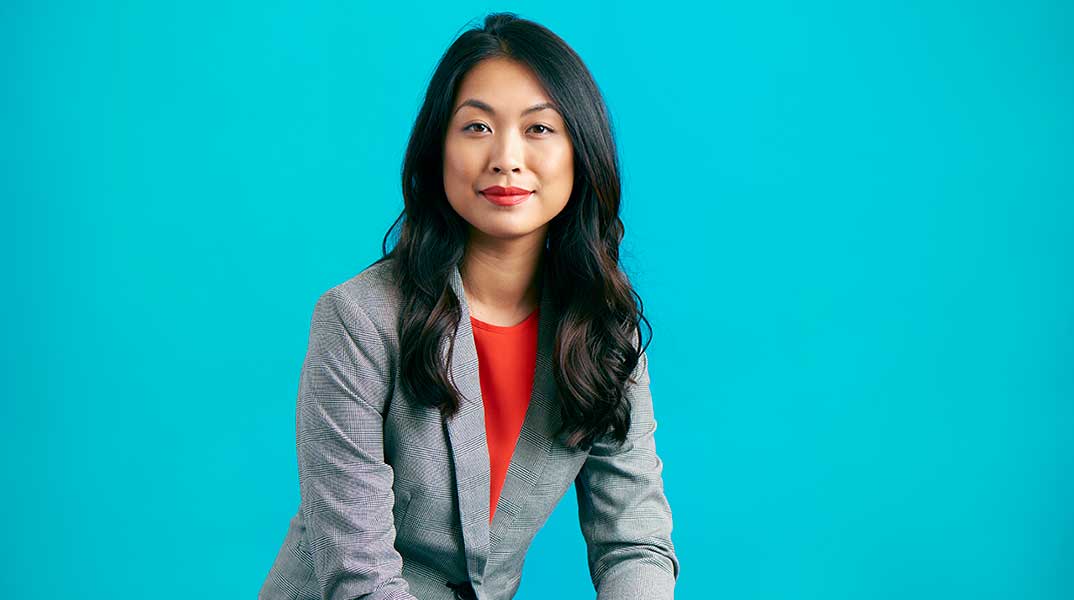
(395, 502)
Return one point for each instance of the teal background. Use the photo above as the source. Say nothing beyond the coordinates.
(862, 299)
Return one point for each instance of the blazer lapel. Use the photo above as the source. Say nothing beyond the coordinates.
(469, 445)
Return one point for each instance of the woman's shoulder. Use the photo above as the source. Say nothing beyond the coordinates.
(372, 291)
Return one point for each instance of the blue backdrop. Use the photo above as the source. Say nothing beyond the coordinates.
(863, 352)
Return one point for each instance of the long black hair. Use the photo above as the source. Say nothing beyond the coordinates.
(598, 337)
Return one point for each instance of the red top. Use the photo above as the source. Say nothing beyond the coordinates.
(507, 359)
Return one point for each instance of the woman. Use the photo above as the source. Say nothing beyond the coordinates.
(454, 389)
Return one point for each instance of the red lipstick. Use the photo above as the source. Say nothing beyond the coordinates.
(505, 196)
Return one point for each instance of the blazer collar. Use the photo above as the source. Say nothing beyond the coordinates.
(469, 445)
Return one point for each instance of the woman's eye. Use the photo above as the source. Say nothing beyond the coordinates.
(541, 129)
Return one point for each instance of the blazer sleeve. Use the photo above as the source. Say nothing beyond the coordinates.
(346, 485)
(623, 512)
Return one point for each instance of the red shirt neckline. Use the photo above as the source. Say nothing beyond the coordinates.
(504, 328)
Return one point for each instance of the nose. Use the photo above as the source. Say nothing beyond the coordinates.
(506, 154)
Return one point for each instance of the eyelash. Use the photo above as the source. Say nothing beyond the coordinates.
(547, 128)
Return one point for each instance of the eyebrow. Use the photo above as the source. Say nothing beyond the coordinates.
(485, 107)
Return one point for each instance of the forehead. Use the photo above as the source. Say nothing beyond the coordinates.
(502, 84)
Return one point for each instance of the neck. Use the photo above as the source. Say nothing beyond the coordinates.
(502, 282)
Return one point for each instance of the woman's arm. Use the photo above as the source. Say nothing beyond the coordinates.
(624, 515)
(346, 485)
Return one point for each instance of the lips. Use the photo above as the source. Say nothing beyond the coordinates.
(506, 196)
(496, 190)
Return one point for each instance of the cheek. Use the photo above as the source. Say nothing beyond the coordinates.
(457, 161)
(557, 165)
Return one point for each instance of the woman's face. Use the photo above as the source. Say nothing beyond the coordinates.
(499, 134)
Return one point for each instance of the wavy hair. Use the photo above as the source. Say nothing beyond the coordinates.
(598, 337)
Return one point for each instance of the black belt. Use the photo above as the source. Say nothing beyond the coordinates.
(463, 590)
